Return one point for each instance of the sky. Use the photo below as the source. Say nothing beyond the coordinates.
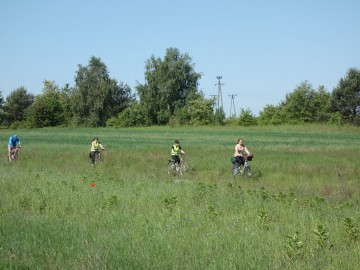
(262, 49)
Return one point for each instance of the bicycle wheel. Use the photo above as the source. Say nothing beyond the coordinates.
(247, 171)
(14, 154)
(179, 169)
(98, 157)
(171, 167)
(182, 166)
(235, 169)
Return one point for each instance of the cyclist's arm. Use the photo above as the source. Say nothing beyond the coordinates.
(102, 148)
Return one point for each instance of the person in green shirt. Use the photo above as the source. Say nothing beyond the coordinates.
(176, 152)
(96, 146)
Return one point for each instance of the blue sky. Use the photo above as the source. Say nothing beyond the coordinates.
(262, 49)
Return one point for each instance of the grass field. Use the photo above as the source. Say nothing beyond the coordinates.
(299, 211)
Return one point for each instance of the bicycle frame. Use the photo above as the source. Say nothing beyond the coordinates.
(14, 153)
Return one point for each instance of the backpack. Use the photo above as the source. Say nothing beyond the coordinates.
(233, 160)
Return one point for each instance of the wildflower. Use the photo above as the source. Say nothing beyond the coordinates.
(93, 184)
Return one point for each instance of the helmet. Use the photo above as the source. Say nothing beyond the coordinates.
(249, 157)
(177, 141)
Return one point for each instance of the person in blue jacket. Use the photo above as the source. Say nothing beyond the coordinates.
(12, 143)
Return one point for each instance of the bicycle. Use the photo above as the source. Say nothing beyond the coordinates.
(175, 168)
(14, 153)
(97, 157)
(244, 170)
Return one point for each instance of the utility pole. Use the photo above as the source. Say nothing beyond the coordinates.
(220, 101)
(232, 105)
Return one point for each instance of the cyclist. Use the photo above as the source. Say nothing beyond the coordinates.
(13, 142)
(95, 147)
(240, 149)
(176, 151)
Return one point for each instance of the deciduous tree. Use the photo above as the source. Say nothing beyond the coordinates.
(200, 111)
(345, 98)
(16, 105)
(96, 97)
(170, 84)
(272, 115)
(304, 104)
(48, 109)
(247, 118)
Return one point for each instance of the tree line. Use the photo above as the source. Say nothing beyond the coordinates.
(169, 96)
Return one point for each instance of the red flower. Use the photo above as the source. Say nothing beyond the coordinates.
(93, 184)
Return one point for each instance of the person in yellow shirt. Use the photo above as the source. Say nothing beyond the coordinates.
(96, 146)
(176, 151)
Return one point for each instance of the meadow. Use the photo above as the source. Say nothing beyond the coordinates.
(299, 211)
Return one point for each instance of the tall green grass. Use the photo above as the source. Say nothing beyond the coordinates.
(299, 212)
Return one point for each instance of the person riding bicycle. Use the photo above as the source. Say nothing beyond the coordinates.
(13, 142)
(95, 147)
(240, 149)
(176, 151)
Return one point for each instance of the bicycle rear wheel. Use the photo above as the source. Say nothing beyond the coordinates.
(235, 169)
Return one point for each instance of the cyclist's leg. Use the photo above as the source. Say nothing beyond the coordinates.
(175, 159)
(238, 162)
(10, 152)
(242, 160)
(172, 164)
(241, 164)
(92, 157)
(177, 163)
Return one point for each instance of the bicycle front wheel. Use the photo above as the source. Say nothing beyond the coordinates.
(247, 172)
